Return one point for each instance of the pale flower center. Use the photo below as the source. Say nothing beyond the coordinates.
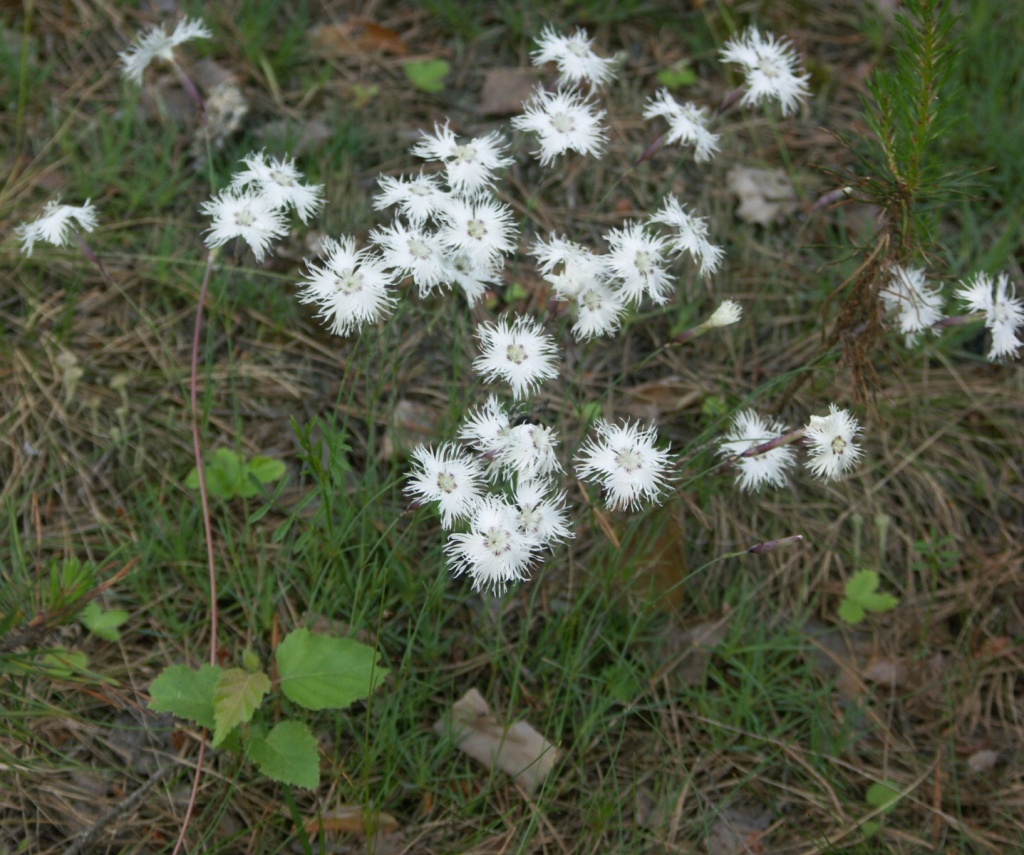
(578, 50)
(464, 153)
(282, 179)
(770, 67)
(420, 190)
(349, 283)
(245, 217)
(418, 249)
(628, 460)
(476, 229)
(497, 541)
(446, 482)
(563, 123)
(516, 354)
(838, 445)
(592, 300)
(643, 263)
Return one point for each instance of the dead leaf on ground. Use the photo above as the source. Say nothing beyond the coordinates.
(414, 423)
(766, 196)
(884, 671)
(739, 831)
(517, 749)
(655, 398)
(358, 36)
(983, 761)
(687, 651)
(505, 90)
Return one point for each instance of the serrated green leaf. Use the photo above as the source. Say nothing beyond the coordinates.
(103, 623)
(237, 695)
(186, 693)
(266, 470)
(320, 672)
(851, 612)
(427, 75)
(862, 596)
(288, 754)
(883, 794)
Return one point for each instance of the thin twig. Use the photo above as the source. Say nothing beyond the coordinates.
(197, 448)
(89, 837)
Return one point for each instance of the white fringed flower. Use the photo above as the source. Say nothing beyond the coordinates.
(832, 446)
(469, 166)
(1004, 313)
(522, 354)
(473, 275)
(244, 214)
(690, 234)
(574, 57)
(495, 551)
(599, 311)
(771, 67)
(636, 260)
(352, 287)
(529, 452)
(480, 226)
(542, 516)
(281, 183)
(917, 305)
(687, 124)
(412, 251)
(569, 267)
(419, 197)
(624, 461)
(447, 476)
(56, 224)
(487, 428)
(563, 121)
(748, 431)
(154, 43)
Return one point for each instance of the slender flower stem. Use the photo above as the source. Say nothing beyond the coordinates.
(957, 321)
(191, 91)
(88, 252)
(765, 447)
(197, 448)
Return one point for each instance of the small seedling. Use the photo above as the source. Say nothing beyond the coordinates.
(101, 622)
(228, 474)
(316, 672)
(883, 795)
(428, 75)
(861, 597)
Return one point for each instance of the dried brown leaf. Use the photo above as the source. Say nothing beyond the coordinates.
(517, 749)
(505, 90)
(358, 36)
(766, 196)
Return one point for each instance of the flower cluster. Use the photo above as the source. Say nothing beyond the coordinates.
(253, 206)
(918, 306)
(771, 69)
(498, 486)
(762, 449)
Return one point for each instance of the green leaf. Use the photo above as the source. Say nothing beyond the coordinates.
(320, 672)
(862, 596)
(851, 612)
(870, 828)
(186, 693)
(103, 623)
(677, 75)
(237, 695)
(266, 470)
(427, 75)
(288, 754)
(61, 662)
(883, 794)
